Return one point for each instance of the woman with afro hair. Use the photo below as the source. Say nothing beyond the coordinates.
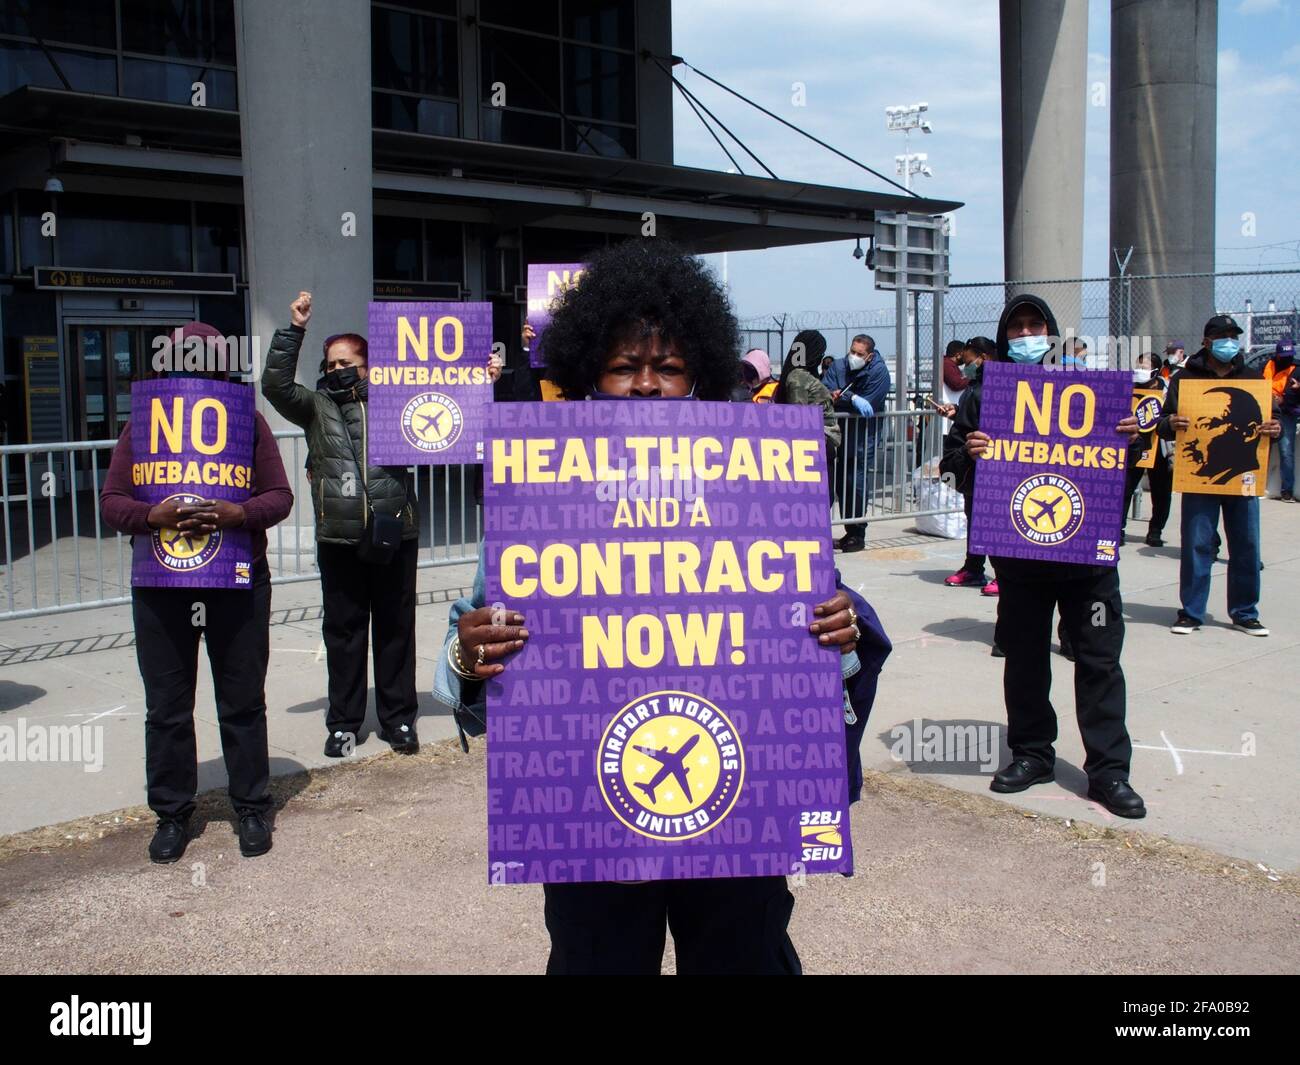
(647, 322)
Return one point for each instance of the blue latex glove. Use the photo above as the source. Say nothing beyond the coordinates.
(861, 406)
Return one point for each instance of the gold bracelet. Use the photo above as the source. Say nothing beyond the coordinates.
(454, 660)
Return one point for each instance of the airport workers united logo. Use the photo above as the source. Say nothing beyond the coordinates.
(1047, 509)
(432, 422)
(185, 552)
(1148, 412)
(671, 765)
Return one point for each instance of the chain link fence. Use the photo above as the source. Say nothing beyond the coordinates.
(1118, 317)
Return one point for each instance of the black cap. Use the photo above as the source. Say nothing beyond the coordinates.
(1220, 323)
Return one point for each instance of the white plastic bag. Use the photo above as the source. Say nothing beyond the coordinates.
(933, 494)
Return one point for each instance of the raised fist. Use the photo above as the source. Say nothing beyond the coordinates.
(300, 310)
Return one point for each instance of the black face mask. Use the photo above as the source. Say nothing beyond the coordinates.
(342, 380)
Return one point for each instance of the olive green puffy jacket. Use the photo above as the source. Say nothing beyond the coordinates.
(338, 493)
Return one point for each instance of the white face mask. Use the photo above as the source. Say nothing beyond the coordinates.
(856, 362)
(1140, 376)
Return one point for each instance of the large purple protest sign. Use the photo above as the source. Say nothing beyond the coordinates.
(428, 383)
(546, 281)
(192, 440)
(670, 715)
(1051, 484)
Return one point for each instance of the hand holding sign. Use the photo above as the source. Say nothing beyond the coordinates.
(477, 630)
(837, 627)
(213, 514)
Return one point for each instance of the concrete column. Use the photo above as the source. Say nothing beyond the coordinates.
(305, 128)
(1044, 51)
(1164, 84)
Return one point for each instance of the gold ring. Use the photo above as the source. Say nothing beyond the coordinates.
(481, 653)
(857, 633)
(853, 616)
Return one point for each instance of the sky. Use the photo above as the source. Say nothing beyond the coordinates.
(858, 57)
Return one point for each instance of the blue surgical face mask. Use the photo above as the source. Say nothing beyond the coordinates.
(1225, 349)
(1028, 349)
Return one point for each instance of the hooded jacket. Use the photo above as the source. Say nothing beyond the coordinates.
(337, 433)
(1199, 367)
(963, 468)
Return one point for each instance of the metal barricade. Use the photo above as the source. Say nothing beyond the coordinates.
(881, 463)
(58, 555)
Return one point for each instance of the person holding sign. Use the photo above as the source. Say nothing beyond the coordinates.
(366, 537)
(1223, 470)
(647, 323)
(1147, 455)
(1031, 590)
(178, 544)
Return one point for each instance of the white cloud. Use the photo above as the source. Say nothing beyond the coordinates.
(1258, 7)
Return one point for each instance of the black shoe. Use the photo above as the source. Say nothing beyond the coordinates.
(1252, 627)
(1185, 624)
(849, 544)
(1154, 540)
(997, 652)
(254, 834)
(1118, 797)
(403, 741)
(1287, 497)
(1021, 774)
(169, 841)
(340, 744)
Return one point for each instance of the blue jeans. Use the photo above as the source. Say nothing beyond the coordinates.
(1200, 525)
(1286, 451)
(855, 471)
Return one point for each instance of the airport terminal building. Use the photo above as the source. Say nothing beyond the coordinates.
(166, 160)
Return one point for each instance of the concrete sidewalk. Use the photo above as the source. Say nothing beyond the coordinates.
(379, 867)
(1211, 714)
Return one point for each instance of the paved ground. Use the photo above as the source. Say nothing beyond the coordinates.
(1212, 718)
(379, 867)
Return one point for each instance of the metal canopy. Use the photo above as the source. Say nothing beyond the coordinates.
(502, 185)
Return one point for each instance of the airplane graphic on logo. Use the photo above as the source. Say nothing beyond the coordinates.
(671, 764)
(1046, 510)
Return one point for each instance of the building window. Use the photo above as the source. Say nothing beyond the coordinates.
(180, 29)
(418, 249)
(415, 69)
(123, 232)
(217, 248)
(160, 47)
(567, 71)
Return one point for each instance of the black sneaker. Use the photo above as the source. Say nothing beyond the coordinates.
(1252, 627)
(1185, 624)
(403, 740)
(254, 834)
(1287, 497)
(169, 841)
(1154, 540)
(340, 744)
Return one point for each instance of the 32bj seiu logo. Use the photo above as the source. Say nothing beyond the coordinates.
(820, 832)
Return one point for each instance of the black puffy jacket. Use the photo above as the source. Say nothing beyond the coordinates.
(330, 419)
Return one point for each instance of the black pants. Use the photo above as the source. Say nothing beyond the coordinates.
(358, 597)
(1092, 618)
(237, 632)
(1162, 488)
(724, 927)
(974, 563)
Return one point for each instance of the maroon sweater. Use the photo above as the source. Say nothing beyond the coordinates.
(270, 503)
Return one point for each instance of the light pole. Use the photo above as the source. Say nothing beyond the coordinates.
(904, 119)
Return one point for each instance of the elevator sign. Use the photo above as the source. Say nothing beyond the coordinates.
(81, 279)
